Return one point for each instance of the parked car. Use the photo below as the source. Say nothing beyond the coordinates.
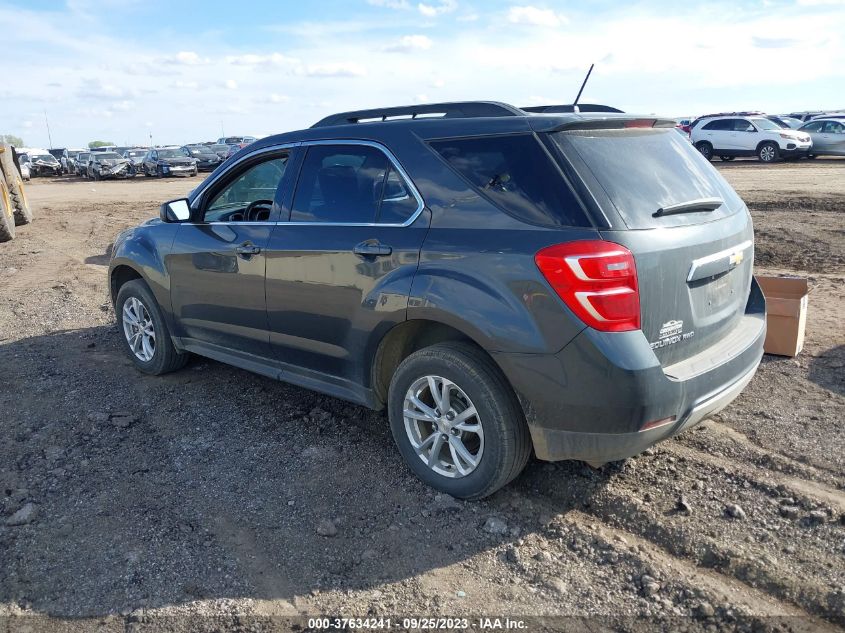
(446, 269)
(81, 163)
(168, 161)
(786, 122)
(104, 165)
(729, 136)
(207, 159)
(707, 117)
(42, 163)
(241, 141)
(806, 115)
(135, 156)
(828, 136)
(221, 149)
(68, 160)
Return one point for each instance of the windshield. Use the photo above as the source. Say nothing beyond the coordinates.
(219, 148)
(196, 151)
(645, 169)
(170, 153)
(47, 158)
(106, 155)
(136, 153)
(766, 124)
(83, 156)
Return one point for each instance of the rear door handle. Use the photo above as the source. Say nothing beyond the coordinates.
(248, 249)
(372, 249)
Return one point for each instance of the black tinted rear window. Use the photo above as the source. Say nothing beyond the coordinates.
(515, 173)
(644, 169)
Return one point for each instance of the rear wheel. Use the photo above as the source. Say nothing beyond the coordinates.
(768, 152)
(145, 334)
(7, 214)
(706, 149)
(456, 421)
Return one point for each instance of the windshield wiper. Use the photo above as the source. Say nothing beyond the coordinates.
(701, 204)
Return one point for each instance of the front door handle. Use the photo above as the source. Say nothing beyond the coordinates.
(248, 249)
(372, 248)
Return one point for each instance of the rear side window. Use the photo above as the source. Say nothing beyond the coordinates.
(515, 173)
(643, 169)
(351, 184)
(715, 126)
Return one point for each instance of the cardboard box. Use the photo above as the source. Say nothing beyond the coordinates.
(786, 314)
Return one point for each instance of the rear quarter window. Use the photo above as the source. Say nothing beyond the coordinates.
(516, 174)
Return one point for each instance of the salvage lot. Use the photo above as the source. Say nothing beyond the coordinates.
(217, 492)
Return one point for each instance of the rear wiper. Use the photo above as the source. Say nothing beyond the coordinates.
(702, 204)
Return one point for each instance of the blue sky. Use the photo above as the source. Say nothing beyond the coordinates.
(185, 71)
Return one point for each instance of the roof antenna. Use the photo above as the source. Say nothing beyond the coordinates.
(575, 103)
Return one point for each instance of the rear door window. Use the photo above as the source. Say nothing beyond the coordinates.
(515, 173)
(716, 126)
(645, 169)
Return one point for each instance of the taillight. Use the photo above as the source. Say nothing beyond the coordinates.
(597, 280)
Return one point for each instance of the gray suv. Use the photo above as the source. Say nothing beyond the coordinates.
(502, 282)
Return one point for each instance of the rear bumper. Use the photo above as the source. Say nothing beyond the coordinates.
(592, 400)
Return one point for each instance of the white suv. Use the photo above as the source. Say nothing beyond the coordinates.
(731, 136)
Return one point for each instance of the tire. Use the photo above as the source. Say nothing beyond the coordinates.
(7, 213)
(768, 152)
(159, 172)
(503, 447)
(812, 156)
(726, 158)
(164, 357)
(20, 205)
(706, 149)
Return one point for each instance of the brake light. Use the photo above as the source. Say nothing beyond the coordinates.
(597, 280)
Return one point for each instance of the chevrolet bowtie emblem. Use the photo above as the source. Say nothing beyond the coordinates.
(735, 259)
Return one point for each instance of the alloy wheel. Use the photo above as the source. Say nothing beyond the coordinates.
(138, 329)
(767, 153)
(443, 426)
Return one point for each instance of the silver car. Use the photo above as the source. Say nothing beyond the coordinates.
(828, 136)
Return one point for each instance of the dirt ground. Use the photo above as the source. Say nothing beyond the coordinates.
(154, 503)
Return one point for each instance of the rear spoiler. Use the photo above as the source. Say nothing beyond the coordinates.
(610, 122)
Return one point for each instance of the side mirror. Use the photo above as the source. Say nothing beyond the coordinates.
(175, 211)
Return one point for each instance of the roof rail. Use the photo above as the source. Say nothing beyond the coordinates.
(456, 110)
(582, 107)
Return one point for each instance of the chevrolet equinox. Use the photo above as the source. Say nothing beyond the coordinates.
(577, 285)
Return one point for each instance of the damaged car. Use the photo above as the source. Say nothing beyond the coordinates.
(109, 165)
(42, 163)
(168, 161)
(135, 158)
(207, 159)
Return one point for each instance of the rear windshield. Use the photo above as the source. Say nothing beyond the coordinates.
(515, 173)
(644, 169)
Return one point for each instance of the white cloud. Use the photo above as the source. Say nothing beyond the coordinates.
(251, 59)
(346, 69)
(277, 98)
(185, 85)
(188, 58)
(536, 17)
(410, 43)
(230, 84)
(432, 10)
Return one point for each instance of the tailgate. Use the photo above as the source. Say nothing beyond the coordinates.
(694, 282)
(689, 232)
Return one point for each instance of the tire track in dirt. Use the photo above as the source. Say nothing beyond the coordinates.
(725, 549)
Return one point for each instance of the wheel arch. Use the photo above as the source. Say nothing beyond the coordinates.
(404, 339)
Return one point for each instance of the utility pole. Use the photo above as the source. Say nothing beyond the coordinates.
(49, 138)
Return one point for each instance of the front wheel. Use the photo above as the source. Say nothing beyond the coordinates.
(456, 420)
(768, 152)
(145, 334)
(706, 149)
